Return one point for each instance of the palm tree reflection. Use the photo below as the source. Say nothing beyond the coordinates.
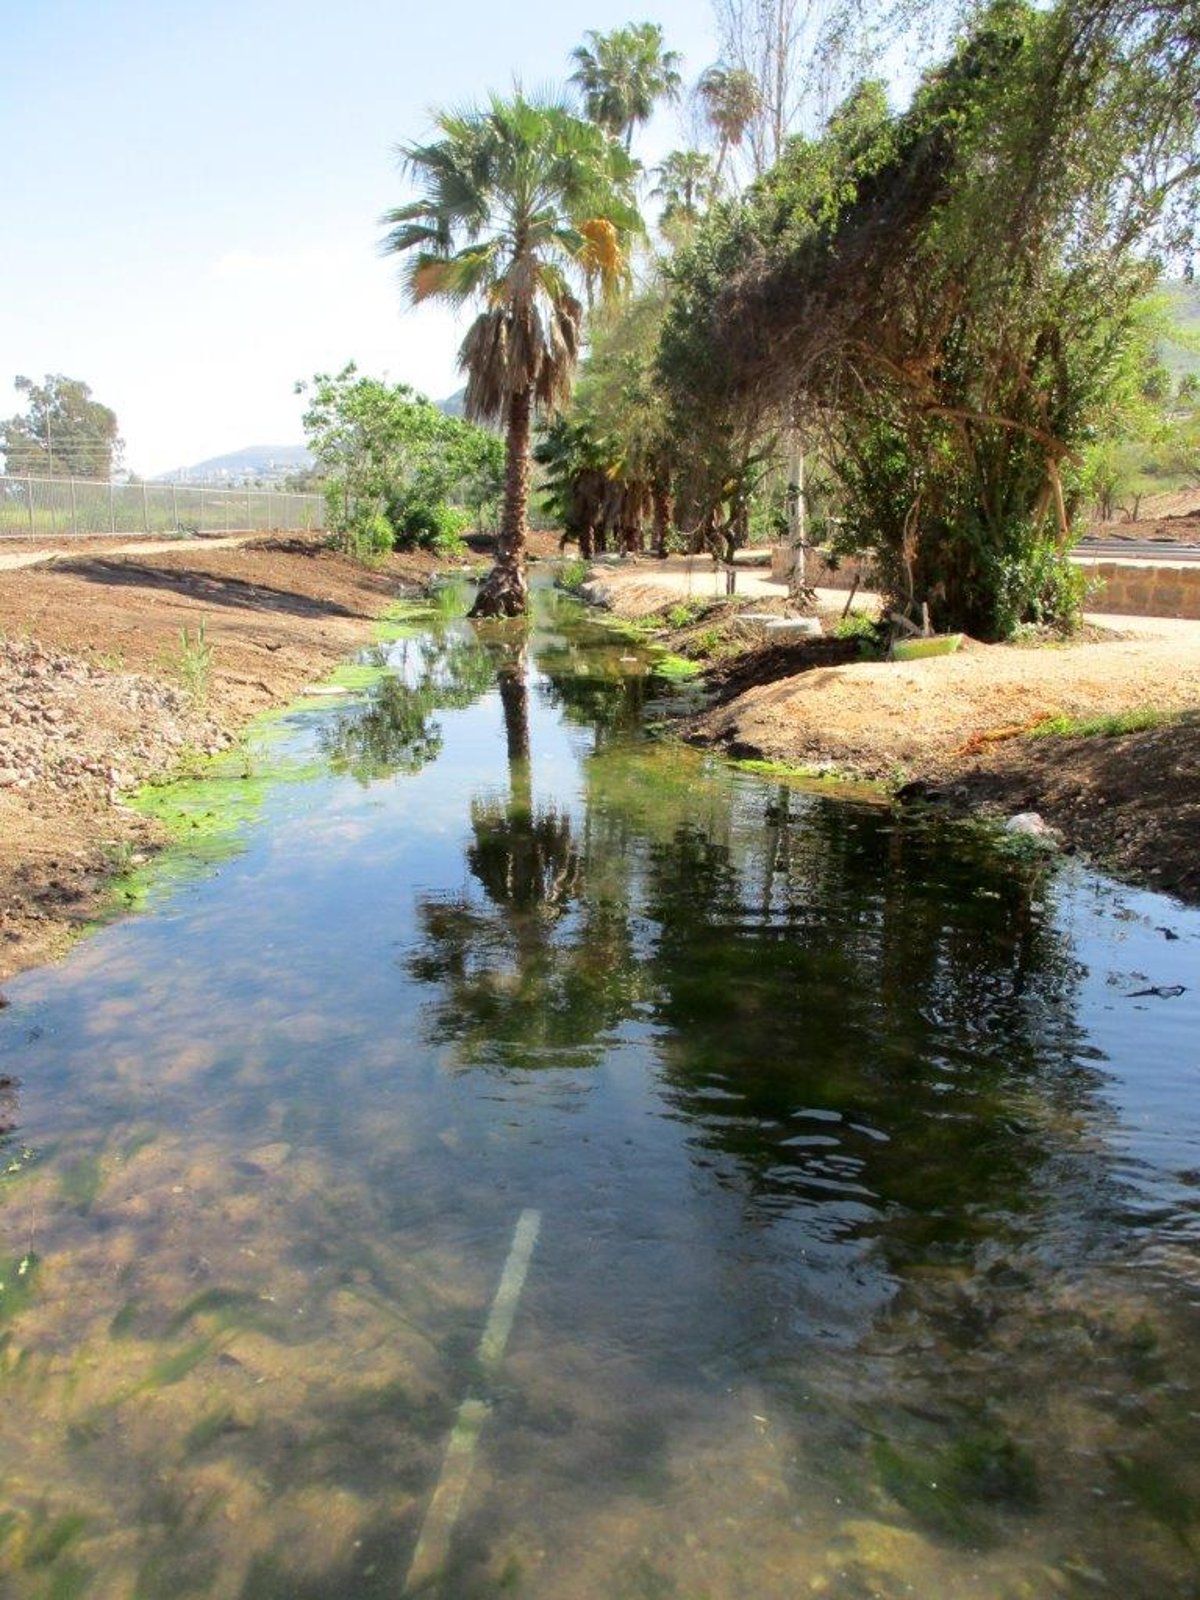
(536, 971)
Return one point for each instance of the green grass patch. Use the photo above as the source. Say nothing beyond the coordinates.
(676, 669)
(845, 782)
(572, 575)
(1106, 727)
(686, 612)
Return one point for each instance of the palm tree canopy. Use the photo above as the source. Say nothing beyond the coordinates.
(732, 99)
(685, 182)
(623, 74)
(523, 207)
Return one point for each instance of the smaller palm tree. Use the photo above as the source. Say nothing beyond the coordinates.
(524, 209)
(623, 74)
(732, 100)
(685, 186)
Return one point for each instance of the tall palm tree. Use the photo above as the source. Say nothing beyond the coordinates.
(623, 74)
(732, 99)
(523, 208)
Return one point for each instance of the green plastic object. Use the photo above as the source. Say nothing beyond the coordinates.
(941, 644)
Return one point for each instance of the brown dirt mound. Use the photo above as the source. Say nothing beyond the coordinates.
(94, 698)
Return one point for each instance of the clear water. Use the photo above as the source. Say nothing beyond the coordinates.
(869, 1191)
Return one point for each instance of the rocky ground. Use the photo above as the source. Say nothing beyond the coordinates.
(115, 666)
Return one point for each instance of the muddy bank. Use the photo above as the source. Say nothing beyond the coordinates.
(115, 668)
(961, 725)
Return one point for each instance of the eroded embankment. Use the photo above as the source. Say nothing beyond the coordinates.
(960, 727)
(115, 669)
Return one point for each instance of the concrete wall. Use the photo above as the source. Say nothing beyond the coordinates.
(1121, 587)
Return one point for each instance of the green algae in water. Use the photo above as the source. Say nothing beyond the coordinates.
(49, 1541)
(174, 1368)
(213, 1425)
(17, 1278)
(1154, 1488)
(935, 1505)
(229, 1308)
(80, 1182)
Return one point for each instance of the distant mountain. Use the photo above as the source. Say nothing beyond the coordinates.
(269, 462)
(454, 405)
(1183, 309)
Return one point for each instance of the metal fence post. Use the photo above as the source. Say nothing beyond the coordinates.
(29, 503)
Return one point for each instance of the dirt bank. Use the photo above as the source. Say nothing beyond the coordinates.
(114, 665)
(959, 725)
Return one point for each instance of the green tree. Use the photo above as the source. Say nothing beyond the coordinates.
(396, 469)
(945, 297)
(64, 433)
(623, 74)
(521, 204)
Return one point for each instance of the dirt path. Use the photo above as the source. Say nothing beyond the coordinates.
(957, 726)
(15, 554)
(103, 684)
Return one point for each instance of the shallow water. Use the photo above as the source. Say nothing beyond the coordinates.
(867, 1187)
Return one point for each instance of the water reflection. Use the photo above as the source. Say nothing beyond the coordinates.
(395, 730)
(840, 1287)
(537, 971)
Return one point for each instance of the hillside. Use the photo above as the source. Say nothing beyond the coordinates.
(267, 461)
(1183, 300)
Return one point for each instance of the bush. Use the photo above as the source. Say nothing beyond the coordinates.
(572, 575)
(429, 525)
(367, 536)
(1037, 584)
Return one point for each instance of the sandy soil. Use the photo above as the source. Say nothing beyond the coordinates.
(96, 695)
(1170, 518)
(956, 728)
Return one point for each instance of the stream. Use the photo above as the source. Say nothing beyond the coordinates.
(510, 1153)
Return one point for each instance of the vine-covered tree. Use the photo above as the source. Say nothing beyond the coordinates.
(64, 433)
(523, 207)
(945, 296)
(622, 76)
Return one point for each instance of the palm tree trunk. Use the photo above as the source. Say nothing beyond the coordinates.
(505, 591)
(662, 518)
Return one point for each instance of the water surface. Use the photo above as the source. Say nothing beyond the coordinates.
(868, 1184)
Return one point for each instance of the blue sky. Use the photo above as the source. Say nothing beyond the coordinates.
(192, 193)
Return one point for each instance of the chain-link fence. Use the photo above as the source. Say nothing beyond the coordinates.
(73, 508)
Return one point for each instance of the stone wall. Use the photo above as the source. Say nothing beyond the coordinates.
(1142, 589)
(1121, 587)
